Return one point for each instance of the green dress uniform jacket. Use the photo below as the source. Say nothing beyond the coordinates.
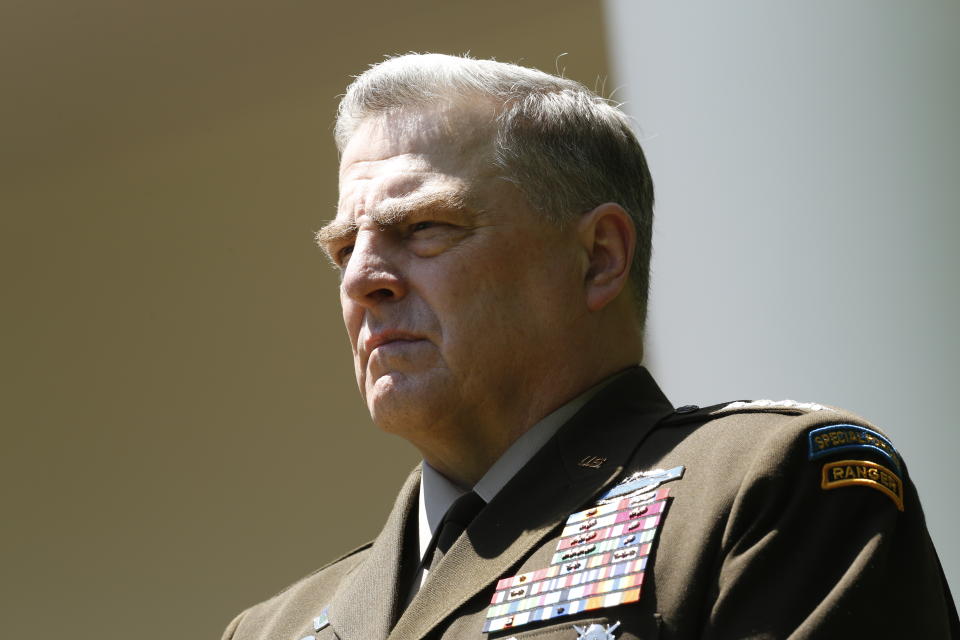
(789, 521)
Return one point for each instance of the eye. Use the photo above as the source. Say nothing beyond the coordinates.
(343, 253)
(420, 226)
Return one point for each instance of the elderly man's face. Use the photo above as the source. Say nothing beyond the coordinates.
(456, 295)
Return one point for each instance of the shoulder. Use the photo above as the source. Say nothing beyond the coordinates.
(800, 517)
(306, 595)
(747, 414)
(769, 425)
(804, 445)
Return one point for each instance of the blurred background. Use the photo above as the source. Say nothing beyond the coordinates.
(182, 434)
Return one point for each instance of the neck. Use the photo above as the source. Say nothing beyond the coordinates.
(465, 443)
(475, 446)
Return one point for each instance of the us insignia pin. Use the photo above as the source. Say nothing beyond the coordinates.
(592, 462)
(596, 632)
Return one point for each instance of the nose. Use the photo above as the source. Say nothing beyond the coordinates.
(370, 276)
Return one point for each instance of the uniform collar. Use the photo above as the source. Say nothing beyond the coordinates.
(437, 493)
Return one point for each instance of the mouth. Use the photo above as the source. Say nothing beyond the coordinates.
(384, 338)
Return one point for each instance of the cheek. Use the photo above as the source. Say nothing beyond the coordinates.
(481, 299)
(526, 298)
(352, 321)
(496, 297)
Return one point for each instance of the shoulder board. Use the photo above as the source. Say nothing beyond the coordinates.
(692, 413)
(778, 406)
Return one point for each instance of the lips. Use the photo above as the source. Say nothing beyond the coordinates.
(382, 338)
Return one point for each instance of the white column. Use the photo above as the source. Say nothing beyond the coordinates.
(806, 157)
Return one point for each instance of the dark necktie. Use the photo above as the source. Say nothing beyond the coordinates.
(458, 517)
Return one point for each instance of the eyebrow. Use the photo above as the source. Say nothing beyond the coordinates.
(335, 231)
(388, 213)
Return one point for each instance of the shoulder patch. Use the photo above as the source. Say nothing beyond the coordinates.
(773, 405)
(852, 473)
(834, 438)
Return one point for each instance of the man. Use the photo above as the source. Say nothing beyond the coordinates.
(493, 240)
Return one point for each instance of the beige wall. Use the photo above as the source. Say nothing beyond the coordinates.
(181, 431)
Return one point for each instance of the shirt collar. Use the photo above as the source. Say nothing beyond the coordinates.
(437, 493)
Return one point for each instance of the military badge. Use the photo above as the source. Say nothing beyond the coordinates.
(322, 621)
(640, 482)
(596, 632)
(599, 561)
(847, 473)
(835, 438)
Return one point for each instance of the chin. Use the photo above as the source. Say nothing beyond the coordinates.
(404, 406)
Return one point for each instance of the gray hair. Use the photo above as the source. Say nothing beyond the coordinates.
(566, 148)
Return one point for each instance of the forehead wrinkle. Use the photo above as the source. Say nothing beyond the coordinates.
(393, 210)
(366, 169)
(341, 228)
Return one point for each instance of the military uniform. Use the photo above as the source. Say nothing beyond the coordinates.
(778, 520)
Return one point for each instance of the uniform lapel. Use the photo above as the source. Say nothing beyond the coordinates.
(367, 601)
(539, 498)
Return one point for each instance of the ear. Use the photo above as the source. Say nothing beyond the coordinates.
(608, 236)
